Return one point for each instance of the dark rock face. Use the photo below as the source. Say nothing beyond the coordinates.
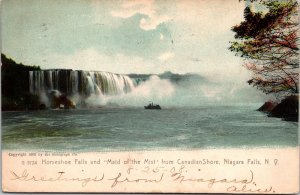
(60, 101)
(42, 107)
(26, 102)
(288, 109)
(267, 106)
(15, 86)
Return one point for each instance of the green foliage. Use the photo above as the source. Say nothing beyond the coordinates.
(10, 65)
(269, 44)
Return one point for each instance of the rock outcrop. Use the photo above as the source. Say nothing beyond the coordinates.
(60, 101)
(267, 106)
(288, 109)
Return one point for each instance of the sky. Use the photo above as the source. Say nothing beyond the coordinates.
(137, 36)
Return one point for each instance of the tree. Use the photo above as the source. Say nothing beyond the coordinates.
(269, 43)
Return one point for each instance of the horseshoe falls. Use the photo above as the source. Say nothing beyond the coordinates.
(77, 83)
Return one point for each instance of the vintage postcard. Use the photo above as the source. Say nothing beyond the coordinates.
(150, 96)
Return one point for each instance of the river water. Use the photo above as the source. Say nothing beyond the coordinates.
(119, 129)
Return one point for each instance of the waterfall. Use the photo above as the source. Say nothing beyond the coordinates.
(76, 82)
(90, 89)
(31, 82)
